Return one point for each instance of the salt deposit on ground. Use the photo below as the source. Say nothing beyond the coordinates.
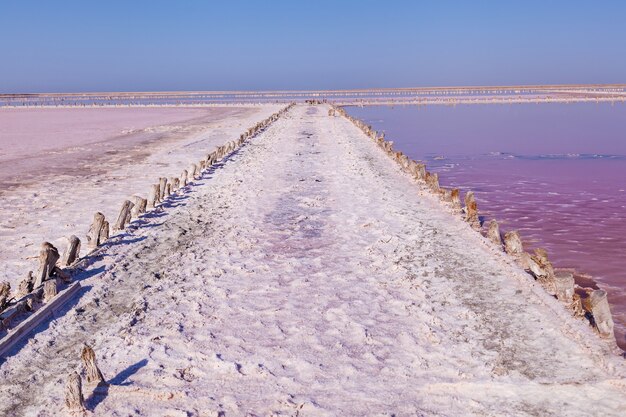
(59, 166)
(307, 275)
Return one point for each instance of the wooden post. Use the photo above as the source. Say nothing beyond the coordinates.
(139, 207)
(183, 179)
(455, 196)
(601, 312)
(153, 196)
(542, 269)
(26, 285)
(471, 210)
(72, 252)
(564, 282)
(513, 244)
(48, 257)
(5, 292)
(173, 185)
(88, 357)
(74, 401)
(162, 183)
(104, 233)
(124, 217)
(95, 231)
(191, 173)
(49, 290)
(493, 233)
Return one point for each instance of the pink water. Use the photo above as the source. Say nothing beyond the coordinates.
(555, 172)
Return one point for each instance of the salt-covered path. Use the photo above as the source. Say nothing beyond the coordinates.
(308, 276)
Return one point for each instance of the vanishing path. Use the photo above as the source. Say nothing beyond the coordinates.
(307, 275)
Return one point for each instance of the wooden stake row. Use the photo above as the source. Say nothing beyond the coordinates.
(592, 303)
(42, 287)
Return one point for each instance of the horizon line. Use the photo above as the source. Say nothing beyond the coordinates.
(300, 91)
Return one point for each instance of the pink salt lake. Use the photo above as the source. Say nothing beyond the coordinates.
(555, 172)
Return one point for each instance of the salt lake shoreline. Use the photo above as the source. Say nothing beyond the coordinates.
(373, 278)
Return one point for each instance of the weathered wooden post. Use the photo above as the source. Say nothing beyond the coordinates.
(542, 269)
(26, 285)
(48, 257)
(173, 185)
(601, 312)
(124, 217)
(162, 183)
(49, 290)
(564, 283)
(513, 244)
(104, 233)
(95, 234)
(191, 172)
(183, 179)
(139, 206)
(5, 292)
(153, 196)
(74, 401)
(493, 233)
(471, 210)
(72, 251)
(455, 196)
(432, 181)
(88, 356)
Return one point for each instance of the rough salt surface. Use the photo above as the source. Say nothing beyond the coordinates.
(306, 275)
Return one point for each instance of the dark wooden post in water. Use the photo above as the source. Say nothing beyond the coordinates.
(48, 257)
(72, 252)
(98, 232)
(124, 217)
(74, 401)
(602, 318)
(88, 356)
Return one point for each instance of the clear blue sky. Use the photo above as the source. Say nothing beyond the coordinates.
(132, 45)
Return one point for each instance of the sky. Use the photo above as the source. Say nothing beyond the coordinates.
(154, 45)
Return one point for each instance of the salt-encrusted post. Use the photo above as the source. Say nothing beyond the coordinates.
(5, 292)
(74, 401)
(124, 217)
(493, 233)
(49, 290)
(104, 233)
(48, 257)
(183, 179)
(72, 251)
(139, 207)
(95, 234)
(191, 172)
(513, 244)
(88, 356)
(564, 283)
(153, 196)
(173, 184)
(601, 312)
(455, 196)
(162, 183)
(471, 210)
